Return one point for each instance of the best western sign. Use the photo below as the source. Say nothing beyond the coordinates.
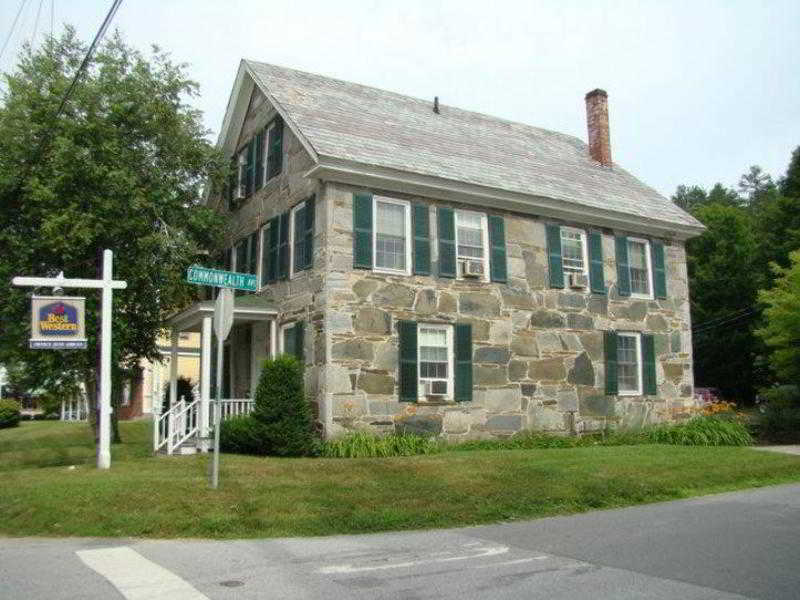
(57, 322)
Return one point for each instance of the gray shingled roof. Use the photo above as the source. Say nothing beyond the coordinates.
(375, 127)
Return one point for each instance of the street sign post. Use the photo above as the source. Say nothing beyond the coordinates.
(223, 321)
(223, 279)
(107, 284)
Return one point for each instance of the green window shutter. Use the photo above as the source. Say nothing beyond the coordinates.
(362, 231)
(299, 339)
(407, 369)
(252, 244)
(649, 365)
(274, 248)
(241, 256)
(309, 233)
(264, 253)
(228, 264)
(555, 266)
(298, 238)
(446, 229)
(659, 270)
(250, 170)
(230, 190)
(610, 348)
(259, 160)
(275, 150)
(462, 354)
(283, 247)
(596, 277)
(289, 341)
(420, 216)
(497, 249)
(623, 272)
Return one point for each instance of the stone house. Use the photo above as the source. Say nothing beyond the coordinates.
(445, 271)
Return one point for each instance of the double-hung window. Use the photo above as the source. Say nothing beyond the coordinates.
(574, 255)
(391, 241)
(435, 360)
(629, 363)
(640, 268)
(291, 339)
(471, 237)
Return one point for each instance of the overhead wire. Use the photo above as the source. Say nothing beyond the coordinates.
(13, 27)
(36, 22)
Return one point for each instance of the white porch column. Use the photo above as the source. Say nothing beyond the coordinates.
(205, 381)
(273, 338)
(173, 368)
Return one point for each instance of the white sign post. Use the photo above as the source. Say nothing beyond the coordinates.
(223, 321)
(107, 284)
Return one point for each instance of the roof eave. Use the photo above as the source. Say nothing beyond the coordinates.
(355, 173)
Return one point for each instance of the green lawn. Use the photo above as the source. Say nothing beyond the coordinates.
(147, 496)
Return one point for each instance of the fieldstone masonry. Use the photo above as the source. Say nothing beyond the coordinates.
(537, 352)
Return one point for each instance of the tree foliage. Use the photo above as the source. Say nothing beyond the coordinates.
(121, 168)
(781, 331)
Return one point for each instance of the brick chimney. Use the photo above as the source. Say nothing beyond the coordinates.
(597, 122)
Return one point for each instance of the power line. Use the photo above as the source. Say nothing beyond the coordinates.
(52, 15)
(13, 26)
(36, 22)
(724, 317)
(723, 323)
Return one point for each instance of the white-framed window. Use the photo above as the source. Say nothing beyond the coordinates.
(391, 241)
(629, 363)
(472, 237)
(287, 339)
(574, 252)
(297, 229)
(640, 268)
(435, 357)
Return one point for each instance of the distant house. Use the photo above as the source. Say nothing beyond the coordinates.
(441, 270)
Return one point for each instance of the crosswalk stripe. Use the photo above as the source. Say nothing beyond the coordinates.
(136, 577)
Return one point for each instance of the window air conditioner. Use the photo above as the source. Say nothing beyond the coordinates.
(472, 268)
(578, 281)
(435, 388)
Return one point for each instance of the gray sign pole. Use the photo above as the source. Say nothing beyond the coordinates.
(223, 321)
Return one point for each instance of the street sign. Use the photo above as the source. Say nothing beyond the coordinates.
(223, 314)
(57, 322)
(222, 279)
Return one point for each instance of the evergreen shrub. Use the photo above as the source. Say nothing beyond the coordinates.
(10, 413)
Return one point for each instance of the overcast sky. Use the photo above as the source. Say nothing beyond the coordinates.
(698, 90)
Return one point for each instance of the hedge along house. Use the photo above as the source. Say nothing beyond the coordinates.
(445, 271)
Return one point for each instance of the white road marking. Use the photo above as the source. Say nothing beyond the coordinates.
(339, 569)
(137, 578)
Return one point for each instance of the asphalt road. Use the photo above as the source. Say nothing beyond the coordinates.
(736, 545)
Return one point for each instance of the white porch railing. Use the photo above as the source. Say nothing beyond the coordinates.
(174, 427)
(74, 409)
(235, 407)
(182, 421)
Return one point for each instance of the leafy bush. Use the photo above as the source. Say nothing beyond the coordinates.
(700, 431)
(282, 409)
(780, 422)
(9, 413)
(243, 435)
(368, 445)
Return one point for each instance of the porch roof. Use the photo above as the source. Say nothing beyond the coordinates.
(246, 309)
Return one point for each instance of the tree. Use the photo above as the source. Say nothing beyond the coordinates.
(789, 184)
(723, 196)
(689, 198)
(755, 186)
(782, 315)
(723, 285)
(121, 168)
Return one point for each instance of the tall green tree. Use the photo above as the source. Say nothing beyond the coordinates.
(121, 168)
(781, 331)
(690, 197)
(723, 285)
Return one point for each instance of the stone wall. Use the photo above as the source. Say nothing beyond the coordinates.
(538, 352)
(299, 298)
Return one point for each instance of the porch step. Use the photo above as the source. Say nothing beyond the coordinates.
(186, 448)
